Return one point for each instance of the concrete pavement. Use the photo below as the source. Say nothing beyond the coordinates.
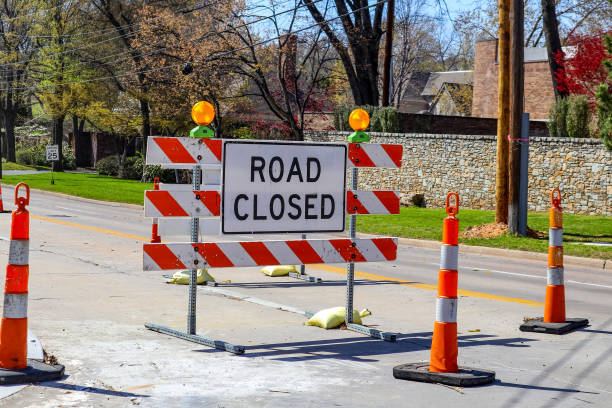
(89, 299)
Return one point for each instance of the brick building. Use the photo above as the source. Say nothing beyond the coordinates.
(539, 92)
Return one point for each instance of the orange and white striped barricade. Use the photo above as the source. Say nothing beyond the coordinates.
(554, 320)
(15, 367)
(243, 162)
(442, 367)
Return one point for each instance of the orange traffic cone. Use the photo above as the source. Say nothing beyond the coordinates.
(554, 320)
(442, 367)
(155, 238)
(14, 329)
(444, 343)
(16, 368)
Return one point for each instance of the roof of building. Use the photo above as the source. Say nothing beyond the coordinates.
(462, 100)
(437, 79)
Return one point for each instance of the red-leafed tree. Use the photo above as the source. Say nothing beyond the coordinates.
(583, 70)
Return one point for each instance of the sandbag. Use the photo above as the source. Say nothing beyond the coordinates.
(334, 317)
(279, 270)
(182, 277)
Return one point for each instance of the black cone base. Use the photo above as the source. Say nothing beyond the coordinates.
(538, 326)
(465, 377)
(33, 373)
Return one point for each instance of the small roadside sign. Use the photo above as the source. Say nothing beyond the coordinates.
(276, 187)
(52, 152)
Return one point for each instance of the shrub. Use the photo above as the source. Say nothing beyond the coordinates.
(68, 159)
(418, 200)
(164, 175)
(108, 166)
(244, 133)
(570, 117)
(382, 119)
(578, 117)
(131, 168)
(36, 156)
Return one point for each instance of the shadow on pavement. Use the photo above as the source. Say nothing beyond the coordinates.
(514, 401)
(93, 390)
(595, 331)
(537, 387)
(363, 348)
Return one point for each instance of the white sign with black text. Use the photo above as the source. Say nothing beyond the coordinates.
(52, 152)
(276, 187)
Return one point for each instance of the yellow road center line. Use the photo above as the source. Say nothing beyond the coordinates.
(327, 268)
(91, 228)
(425, 286)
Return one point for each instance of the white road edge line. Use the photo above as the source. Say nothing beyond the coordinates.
(528, 276)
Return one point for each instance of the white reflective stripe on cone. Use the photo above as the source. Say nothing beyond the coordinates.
(19, 251)
(555, 237)
(15, 305)
(155, 222)
(449, 257)
(554, 276)
(446, 310)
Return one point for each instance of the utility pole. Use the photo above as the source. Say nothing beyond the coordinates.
(517, 75)
(503, 114)
(386, 96)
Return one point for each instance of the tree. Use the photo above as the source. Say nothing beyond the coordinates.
(358, 49)
(553, 43)
(289, 71)
(582, 70)
(16, 51)
(54, 68)
(179, 53)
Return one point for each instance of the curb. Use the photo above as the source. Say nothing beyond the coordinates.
(603, 264)
(77, 198)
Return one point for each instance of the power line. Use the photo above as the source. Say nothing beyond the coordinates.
(156, 51)
(212, 58)
(194, 8)
(89, 45)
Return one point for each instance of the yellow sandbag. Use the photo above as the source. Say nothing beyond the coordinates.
(279, 270)
(182, 277)
(334, 317)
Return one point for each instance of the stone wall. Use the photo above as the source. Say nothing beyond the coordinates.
(434, 165)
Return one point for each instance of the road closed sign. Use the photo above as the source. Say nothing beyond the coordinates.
(275, 187)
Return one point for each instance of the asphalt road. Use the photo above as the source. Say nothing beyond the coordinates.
(89, 298)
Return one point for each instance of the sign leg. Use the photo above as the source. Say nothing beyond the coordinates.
(350, 270)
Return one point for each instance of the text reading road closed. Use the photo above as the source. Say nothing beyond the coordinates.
(283, 187)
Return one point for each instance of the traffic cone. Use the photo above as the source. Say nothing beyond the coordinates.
(16, 368)
(443, 367)
(554, 320)
(155, 238)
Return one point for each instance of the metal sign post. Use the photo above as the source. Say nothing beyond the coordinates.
(52, 155)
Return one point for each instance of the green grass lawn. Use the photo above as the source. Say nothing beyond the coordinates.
(412, 222)
(86, 185)
(426, 223)
(17, 166)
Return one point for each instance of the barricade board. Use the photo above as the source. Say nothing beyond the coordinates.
(184, 152)
(171, 256)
